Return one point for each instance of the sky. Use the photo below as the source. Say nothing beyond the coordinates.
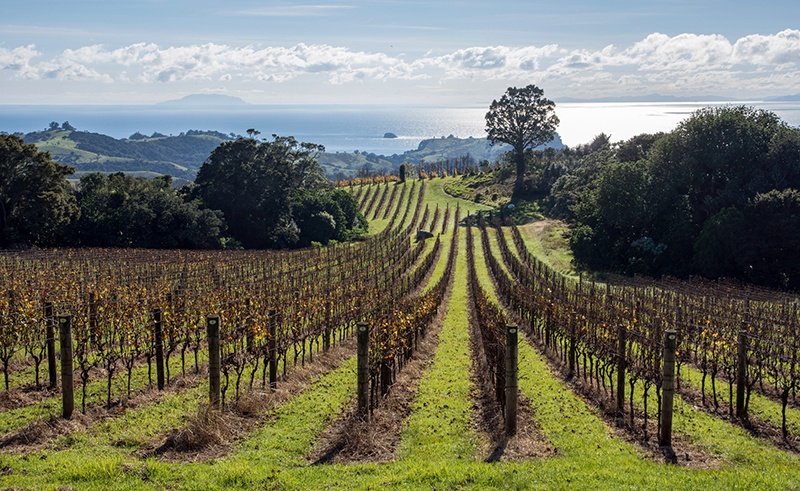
(426, 53)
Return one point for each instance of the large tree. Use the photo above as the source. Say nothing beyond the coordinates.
(252, 183)
(524, 119)
(35, 199)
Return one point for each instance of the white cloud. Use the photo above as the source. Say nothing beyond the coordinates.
(490, 62)
(777, 49)
(17, 59)
(658, 63)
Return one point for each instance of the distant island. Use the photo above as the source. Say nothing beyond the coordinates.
(206, 100)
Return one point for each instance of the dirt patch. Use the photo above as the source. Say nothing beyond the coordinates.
(350, 439)
(528, 442)
(25, 395)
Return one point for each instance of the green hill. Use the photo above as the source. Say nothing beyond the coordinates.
(179, 156)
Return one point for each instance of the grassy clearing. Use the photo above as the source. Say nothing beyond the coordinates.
(435, 194)
(546, 240)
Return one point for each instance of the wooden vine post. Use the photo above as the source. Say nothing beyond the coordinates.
(741, 374)
(363, 370)
(622, 334)
(668, 386)
(212, 330)
(512, 372)
(272, 349)
(158, 334)
(50, 333)
(65, 342)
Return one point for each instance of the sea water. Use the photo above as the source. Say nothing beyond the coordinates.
(362, 127)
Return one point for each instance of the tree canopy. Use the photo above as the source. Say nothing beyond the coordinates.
(716, 196)
(273, 193)
(36, 204)
(524, 119)
(118, 210)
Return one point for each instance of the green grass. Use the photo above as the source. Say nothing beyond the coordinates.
(760, 406)
(50, 406)
(546, 240)
(439, 424)
(435, 193)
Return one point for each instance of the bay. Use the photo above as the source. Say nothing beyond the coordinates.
(343, 128)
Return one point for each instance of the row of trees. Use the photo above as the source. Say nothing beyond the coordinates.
(257, 194)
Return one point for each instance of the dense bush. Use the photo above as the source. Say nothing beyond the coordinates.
(716, 196)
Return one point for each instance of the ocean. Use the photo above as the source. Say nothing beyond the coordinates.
(348, 128)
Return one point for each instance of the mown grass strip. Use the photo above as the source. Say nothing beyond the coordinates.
(545, 239)
(439, 426)
(279, 445)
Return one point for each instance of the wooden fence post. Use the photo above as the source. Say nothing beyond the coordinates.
(50, 333)
(65, 341)
(212, 330)
(741, 374)
(668, 387)
(363, 370)
(272, 349)
(158, 335)
(512, 352)
(622, 334)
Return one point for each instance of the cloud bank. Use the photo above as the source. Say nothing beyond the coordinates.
(685, 63)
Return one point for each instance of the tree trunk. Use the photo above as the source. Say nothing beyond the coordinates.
(519, 154)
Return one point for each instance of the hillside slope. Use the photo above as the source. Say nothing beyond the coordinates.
(179, 156)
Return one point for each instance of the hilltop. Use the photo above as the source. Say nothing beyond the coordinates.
(179, 156)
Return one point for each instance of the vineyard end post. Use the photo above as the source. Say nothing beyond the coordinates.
(158, 335)
(668, 386)
(50, 333)
(67, 389)
(741, 374)
(212, 330)
(363, 370)
(512, 354)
